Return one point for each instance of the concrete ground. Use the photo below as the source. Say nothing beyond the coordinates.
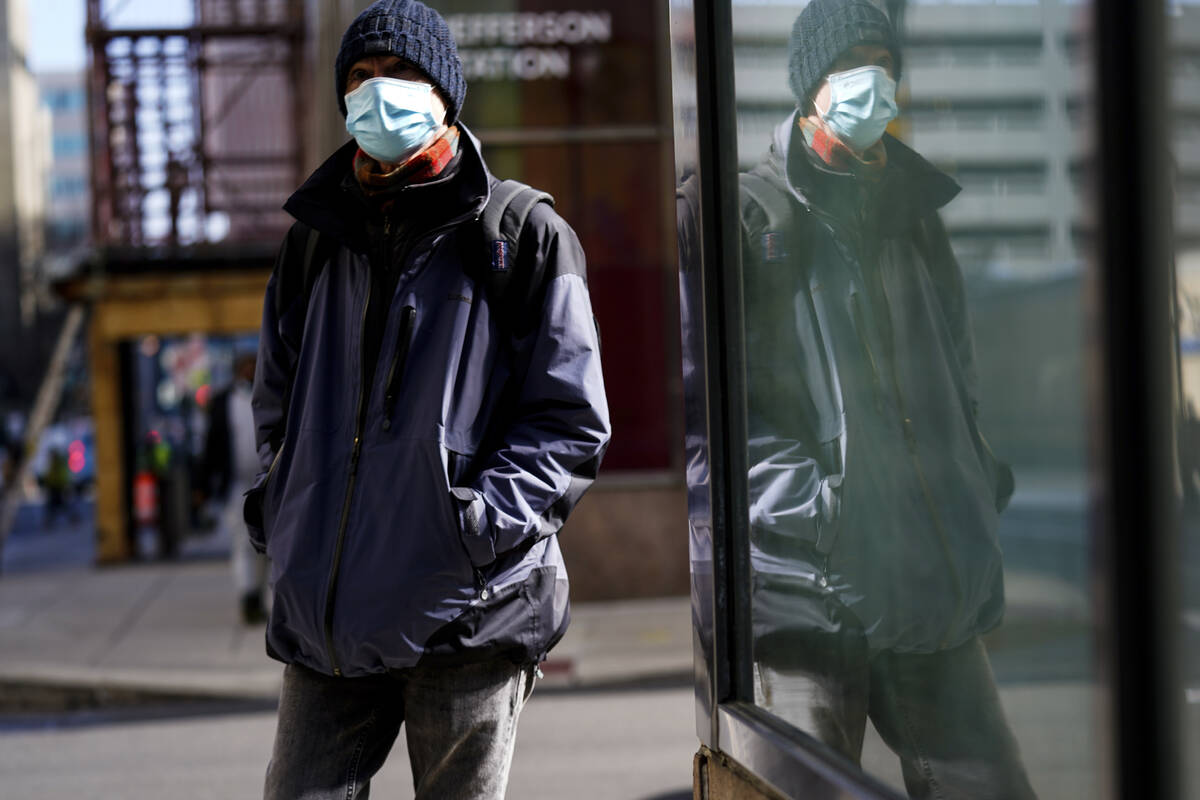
(139, 681)
(620, 744)
(173, 629)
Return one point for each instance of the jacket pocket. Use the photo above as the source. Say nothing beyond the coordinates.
(472, 523)
(254, 506)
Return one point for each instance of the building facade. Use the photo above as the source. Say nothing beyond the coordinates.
(68, 199)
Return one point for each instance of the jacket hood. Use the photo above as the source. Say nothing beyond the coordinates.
(909, 180)
(330, 201)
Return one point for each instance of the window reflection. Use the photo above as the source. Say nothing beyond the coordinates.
(912, 323)
(1183, 69)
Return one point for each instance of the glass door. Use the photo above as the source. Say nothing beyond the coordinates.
(933, 385)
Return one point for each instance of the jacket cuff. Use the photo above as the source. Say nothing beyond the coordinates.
(473, 525)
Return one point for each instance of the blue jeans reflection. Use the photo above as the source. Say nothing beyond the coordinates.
(938, 712)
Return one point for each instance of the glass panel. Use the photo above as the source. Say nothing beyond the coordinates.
(1183, 73)
(916, 409)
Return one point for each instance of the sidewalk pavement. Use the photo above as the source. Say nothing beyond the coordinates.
(88, 637)
(77, 636)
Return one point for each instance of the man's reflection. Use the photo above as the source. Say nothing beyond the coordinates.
(874, 498)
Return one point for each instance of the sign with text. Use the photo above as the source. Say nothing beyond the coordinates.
(525, 46)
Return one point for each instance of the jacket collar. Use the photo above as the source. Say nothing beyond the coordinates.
(331, 202)
(910, 185)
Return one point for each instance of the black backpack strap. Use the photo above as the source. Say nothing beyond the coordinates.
(514, 285)
(293, 285)
(777, 206)
(503, 219)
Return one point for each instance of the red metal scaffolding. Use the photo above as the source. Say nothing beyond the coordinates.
(197, 132)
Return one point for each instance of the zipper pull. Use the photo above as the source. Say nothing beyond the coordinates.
(484, 594)
(910, 435)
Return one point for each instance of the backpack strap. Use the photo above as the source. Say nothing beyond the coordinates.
(293, 286)
(503, 218)
(777, 207)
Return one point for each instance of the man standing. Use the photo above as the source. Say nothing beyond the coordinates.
(873, 497)
(428, 429)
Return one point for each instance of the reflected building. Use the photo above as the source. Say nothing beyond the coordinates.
(24, 154)
(991, 94)
(68, 201)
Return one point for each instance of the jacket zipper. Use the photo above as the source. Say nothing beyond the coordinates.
(860, 320)
(339, 545)
(395, 375)
(331, 584)
(910, 440)
(359, 415)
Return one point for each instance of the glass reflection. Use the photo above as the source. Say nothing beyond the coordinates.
(875, 498)
(1183, 69)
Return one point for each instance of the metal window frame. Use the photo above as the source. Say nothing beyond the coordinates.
(1131, 418)
(1135, 437)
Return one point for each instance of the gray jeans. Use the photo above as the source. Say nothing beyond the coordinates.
(939, 713)
(334, 734)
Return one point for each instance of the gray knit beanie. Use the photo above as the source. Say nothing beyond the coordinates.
(414, 32)
(827, 28)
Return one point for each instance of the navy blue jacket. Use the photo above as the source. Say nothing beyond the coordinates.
(414, 519)
(871, 489)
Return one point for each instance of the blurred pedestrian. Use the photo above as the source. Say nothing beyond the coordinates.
(429, 399)
(8, 460)
(231, 465)
(56, 481)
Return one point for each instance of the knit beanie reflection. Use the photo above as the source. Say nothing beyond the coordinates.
(827, 28)
(414, 32)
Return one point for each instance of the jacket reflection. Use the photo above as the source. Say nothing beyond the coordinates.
(873, 496)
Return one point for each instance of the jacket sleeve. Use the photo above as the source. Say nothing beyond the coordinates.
(794, 474)
(947, 278)
(278, 348)
(550, 449)
(790, 495)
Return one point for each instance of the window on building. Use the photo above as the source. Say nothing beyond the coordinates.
(70, 145)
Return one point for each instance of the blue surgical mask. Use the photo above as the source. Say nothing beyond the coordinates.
(391, 119)
(862, 102)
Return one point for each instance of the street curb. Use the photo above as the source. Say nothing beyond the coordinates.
(27, 697)
(23, 697)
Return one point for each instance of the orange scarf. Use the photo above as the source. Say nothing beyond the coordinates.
(425, 165)
(836, 154)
